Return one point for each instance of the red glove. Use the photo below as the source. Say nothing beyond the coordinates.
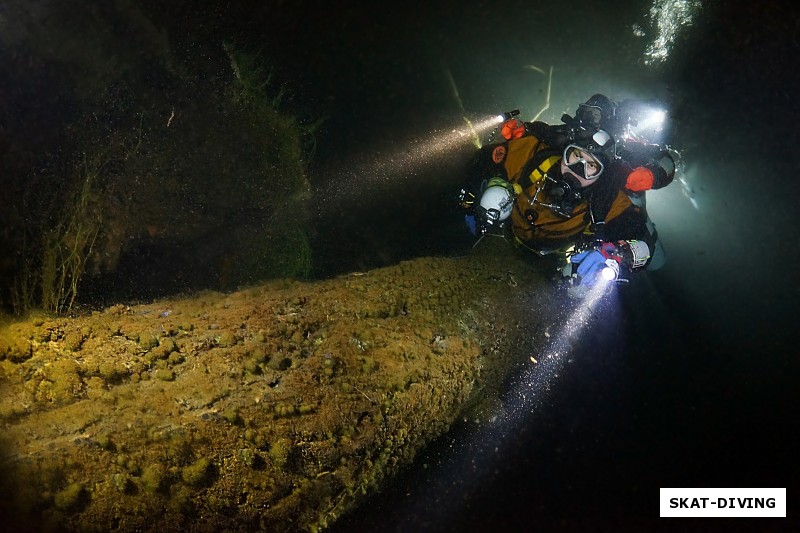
(512, 128)
(641, 179)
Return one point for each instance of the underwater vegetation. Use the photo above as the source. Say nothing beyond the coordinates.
(142, 147)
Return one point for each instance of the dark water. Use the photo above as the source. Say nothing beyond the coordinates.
(691, 379)
(688, 378)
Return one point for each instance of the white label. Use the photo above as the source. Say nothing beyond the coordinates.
(721, 503)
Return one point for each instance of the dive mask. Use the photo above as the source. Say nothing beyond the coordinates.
(582, 161)
(589, 115)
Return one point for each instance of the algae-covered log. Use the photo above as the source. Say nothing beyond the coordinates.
(275, 408)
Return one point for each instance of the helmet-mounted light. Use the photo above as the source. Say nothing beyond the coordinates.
(653, 120)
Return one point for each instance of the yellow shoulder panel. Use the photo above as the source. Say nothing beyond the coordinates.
(519, 152)
(621, 203)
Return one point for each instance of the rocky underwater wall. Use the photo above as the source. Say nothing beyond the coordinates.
(278, 407)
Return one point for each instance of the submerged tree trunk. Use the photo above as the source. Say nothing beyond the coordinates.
(277, 408)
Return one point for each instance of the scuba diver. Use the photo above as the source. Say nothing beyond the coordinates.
(562, 190)
(650, 166)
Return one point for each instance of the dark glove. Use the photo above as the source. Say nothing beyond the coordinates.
(472, 225)
(466, 199)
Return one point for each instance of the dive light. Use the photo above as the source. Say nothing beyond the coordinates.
(507, 115)
(610, 272)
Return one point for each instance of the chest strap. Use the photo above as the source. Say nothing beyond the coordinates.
(529, 178)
